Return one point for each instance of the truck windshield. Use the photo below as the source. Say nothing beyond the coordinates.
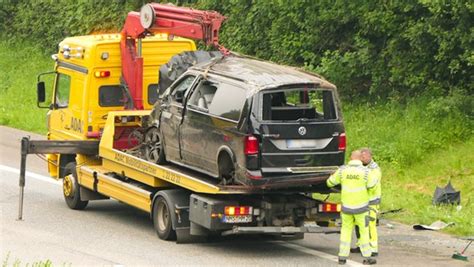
(298, 104)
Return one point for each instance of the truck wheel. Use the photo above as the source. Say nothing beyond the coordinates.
(154, 150)
(162, 219)
(71, 188)
(226, 169)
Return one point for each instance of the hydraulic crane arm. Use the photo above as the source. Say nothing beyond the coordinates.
(158, 18)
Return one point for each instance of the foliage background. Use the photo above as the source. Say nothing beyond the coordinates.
(370, 49)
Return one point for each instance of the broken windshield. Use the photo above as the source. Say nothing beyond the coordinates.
(298, 104)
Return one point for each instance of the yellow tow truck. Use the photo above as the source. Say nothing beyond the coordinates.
(104, 88)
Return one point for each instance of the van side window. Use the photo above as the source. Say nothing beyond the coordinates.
(181, 87)
(228, 102)
(294, 104)
(203, 96)
(63, 88)
(111, 96)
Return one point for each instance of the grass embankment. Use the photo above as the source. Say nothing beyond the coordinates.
(19, 66)
(419, 145)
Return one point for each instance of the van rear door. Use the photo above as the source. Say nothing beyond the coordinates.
(301, 130)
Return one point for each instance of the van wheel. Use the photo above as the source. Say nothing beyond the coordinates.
(71, 188)
(154, 150)
(162, 219)
(226, 169)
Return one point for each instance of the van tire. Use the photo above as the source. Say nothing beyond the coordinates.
(226, 169)
(71, 190)
(154, 150)
(162, 220)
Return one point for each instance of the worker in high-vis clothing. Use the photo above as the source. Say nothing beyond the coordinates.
(355, 181)
(375, 195)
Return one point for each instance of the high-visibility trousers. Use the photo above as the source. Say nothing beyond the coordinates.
(349, 221)
(373, 237)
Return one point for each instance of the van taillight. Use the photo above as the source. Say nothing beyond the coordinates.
(342, 141)
(251, 145)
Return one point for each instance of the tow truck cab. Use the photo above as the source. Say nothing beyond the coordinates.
(87, 85)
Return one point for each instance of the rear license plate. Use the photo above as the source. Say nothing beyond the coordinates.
(237, 219)
(300, 143)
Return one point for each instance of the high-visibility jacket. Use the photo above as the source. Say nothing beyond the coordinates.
(375, 193)
(355, 180)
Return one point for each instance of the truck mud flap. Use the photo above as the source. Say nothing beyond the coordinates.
(281, 230)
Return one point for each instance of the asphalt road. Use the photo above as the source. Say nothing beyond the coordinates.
(108, 232)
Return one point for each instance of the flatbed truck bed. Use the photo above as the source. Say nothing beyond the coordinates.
(183, 204)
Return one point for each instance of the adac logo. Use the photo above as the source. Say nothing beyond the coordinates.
(302, 130)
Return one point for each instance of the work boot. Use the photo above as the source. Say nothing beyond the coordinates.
(369, 261)
(355, 250)
(342, 261)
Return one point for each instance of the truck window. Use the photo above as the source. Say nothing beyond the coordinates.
(152, 93)
(111, 96)
(63, 88)
(228, 101)
(294, 104)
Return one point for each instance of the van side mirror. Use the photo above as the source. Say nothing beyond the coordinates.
(40, 92)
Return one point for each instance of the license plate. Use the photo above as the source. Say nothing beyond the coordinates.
(237, 219)
(300, 143)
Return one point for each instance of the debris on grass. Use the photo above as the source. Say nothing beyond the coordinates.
(438, 225)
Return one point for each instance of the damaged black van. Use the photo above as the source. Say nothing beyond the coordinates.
(251, 122)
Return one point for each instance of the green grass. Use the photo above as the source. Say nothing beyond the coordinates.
(419, 144)
(17, 263)
(412, 189)
(19, 66)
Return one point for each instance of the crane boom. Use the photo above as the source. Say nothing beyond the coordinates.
(159, 18)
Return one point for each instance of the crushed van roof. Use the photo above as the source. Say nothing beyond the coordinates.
(262, 74)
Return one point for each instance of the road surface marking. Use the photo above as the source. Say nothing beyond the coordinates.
(313, 252)
(317, 253)
(30, 175)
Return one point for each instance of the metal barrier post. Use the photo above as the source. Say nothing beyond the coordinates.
(24, 153)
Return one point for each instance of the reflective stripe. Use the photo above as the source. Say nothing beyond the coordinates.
(366, 250)
(330, 182)
(365, 204)
(373, 165)
(374, 201)
(353, 190)
(366, 174)
(344, 252)
(348, 210)
(374, 247)
(344, 243)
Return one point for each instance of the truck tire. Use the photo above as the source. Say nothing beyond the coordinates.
(180, 63)
(71, 190)
(154, 150)
(162, 219)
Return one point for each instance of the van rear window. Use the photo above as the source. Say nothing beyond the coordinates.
(299, 104)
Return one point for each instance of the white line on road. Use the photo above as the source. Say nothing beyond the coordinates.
(30, 174)
(313, 252)
(316, 253)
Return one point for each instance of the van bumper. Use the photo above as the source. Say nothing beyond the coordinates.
(311, 182)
